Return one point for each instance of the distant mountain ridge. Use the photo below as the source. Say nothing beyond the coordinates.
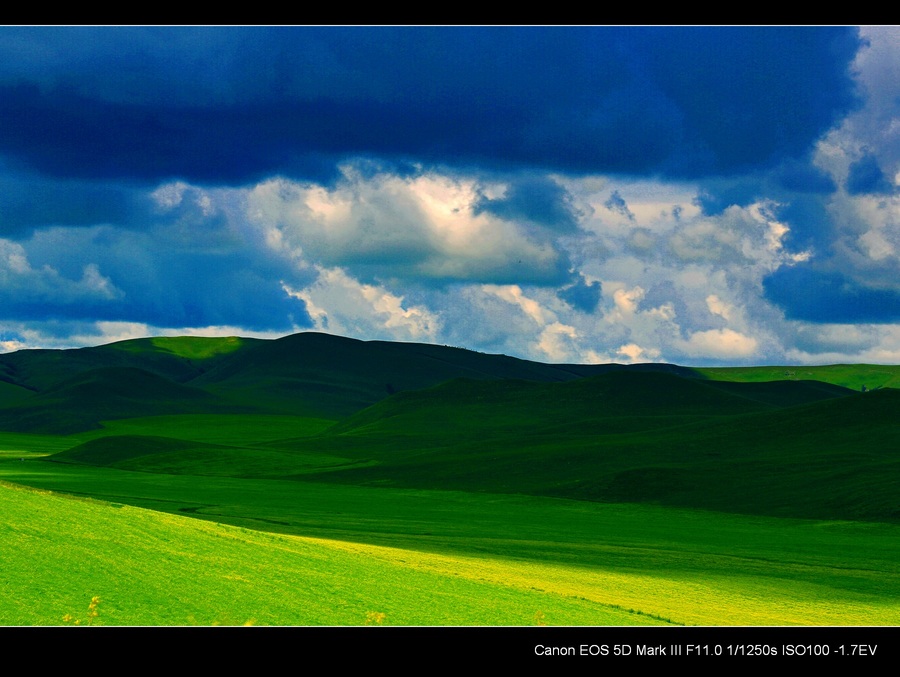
(308, 374)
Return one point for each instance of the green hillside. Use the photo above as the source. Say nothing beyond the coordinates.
(308, 374)
(82, 401)
(11, 394)
(148, 568)
(609, 400)
(853, 376)
(646, 438)
(421, 557)
(320, 375)
(444, 487)
(178, 359)
(119, 449)
(151, 453)
(788, 448)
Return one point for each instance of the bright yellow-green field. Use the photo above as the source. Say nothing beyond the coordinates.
(152, 568)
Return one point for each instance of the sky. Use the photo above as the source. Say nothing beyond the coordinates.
(693, 195)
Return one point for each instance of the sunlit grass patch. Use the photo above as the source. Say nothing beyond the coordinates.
(156, 569)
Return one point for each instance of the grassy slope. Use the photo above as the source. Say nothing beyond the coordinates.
(321, 375)
(82, 401)
(152, 453)
(179, 359)
(11, 394)
(596, 405)
(663, 562)
(853, 376)
(309, 374)
(707, 444)
(150, 568)
(653, 438)
(235, 429)
(63, 391)
(191, 347)
(692, 567)
(618, 437)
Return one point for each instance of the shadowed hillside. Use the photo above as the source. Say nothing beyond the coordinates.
(612, 493)
(433, 417)
(308, 374)
(789, 448)
(80, 402)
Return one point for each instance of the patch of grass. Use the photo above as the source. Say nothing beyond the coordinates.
(830, 459)
(32, 444)
(11, 394)
(129, 444)
(852, 376)
(150, 568)
(691, 567)
(230, 429)
(198, 347)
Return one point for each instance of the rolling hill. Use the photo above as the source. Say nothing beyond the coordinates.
(307, 374)
(433, 417)
(581, 494)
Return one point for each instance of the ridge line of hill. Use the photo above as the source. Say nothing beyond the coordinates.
(311, 374)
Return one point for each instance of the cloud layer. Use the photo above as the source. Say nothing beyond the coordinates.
(693, 195)
(235, 105)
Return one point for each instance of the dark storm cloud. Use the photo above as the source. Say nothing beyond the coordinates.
(791, 179)
(798, 194)
(805, 293)
(204, 290)
(214, 297)
(152, 282)
(232, 105)
(757, 92)
(866, 177)
(799, 177)
(810, 224)
(716, 195)
(536, 199)
(66, 134)
(30, 201)
(616, 203)
(582, 295)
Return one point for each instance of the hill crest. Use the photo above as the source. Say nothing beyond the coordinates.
(311, 374)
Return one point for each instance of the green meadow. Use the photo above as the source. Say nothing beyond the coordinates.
(315, 480)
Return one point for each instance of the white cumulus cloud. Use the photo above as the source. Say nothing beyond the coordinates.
(721, 343)
(422, 227)
(340, 304)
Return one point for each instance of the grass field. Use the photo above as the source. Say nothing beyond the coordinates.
(144, 567)
(587, 563)
(514, 493)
